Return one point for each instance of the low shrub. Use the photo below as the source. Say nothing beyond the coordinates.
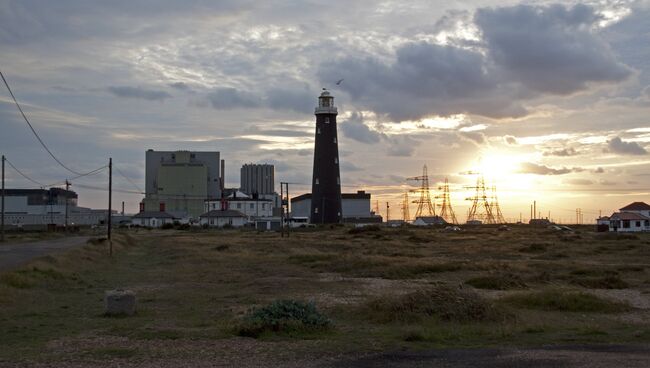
(167, 226)
(443, 302)
(497, 282)
(617, 236)
(283, 316)
(608, 282)
(564, 301)
(16, 280)
(364, 229)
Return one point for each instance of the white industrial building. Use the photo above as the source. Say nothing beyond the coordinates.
(152, 219)
(40, 208)
(355, 207)
(631, 218)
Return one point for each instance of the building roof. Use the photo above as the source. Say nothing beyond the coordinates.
(436, 220)
(636, 206)
(224, 213)
(45, 192)
(361, 194)
(153, 214)
(628, 216)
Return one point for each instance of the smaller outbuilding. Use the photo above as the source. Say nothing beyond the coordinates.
(152, 219)
(221, 218)
(429, 221)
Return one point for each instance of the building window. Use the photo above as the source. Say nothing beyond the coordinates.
(626, 224)
(252, 205)
(239, 206)
(317, 130)
(316, 210)
(334, 139)
(316, 181)
(647, 223)
(327, 120)
(638, 224)
(336, 160)
(338, 180)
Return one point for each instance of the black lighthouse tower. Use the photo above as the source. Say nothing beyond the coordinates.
(326, 181)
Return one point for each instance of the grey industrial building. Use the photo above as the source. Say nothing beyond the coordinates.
(178, 182)
(257, 179)
(39, 208)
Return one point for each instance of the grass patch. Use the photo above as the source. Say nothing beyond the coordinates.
(365, 229)
(285, 317)
(16, 280)
(608, 282)
(497, 282)
(564, 301)
(445, 303)
(111, 353)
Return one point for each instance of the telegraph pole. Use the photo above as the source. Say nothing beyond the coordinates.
(2, 225)
(67, 199)
(387, 212)
(110, 200)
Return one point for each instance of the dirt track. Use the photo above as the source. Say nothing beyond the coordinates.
(15, 254)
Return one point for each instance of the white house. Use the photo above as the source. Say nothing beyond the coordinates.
(429, 221)
(250, 207)
(221, 218)
(152, 219)
(631, 218)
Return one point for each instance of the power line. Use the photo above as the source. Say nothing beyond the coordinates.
(32, 128)
(136, 186)
(24, 175)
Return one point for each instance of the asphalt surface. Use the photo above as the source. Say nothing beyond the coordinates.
(14, 255)
(593, 356)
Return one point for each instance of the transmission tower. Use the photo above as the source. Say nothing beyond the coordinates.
(446, 212)
(494, 207)
(480, 209)
(425, 207)
(405, 208)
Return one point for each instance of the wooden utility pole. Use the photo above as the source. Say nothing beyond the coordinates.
(387, 212)
(67, 199)
(2, 224)
(110, 207)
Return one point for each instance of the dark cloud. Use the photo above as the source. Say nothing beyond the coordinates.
(564, 152)
(549, 49)
(354, 128)
(138, 92)
(538, 169)
(231, 98)
(511, 140)
(617, 145)
(181, 86)
(477, 138)
(300, 99)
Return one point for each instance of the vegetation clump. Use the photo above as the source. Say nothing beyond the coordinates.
(283, 316)
(565, 301)
(364, 229)
(607, 282)
(497, 282)
(443, 302)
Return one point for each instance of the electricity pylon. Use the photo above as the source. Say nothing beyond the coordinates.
(494, 207)
(480, 209)
(425, 207)
(405, 208)
(446, 211)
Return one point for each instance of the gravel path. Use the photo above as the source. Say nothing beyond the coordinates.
(13, 255)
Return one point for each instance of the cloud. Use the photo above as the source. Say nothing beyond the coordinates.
(231, 98)
(354, 128)
(401, 145)
(538, 169)
(511, 140)
(138, 92)
(549, 49)
(599, 170)
(477, 138)
(617, 145)
(578, 181)
(347, 166)
(297, 99)
(181, 86)
(565, 152)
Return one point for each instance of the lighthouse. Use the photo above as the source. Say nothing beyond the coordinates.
(326, 179)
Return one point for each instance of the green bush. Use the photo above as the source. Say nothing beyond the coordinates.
(167, 226)
(283, 316)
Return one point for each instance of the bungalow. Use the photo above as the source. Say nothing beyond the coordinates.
(152, 219)
(631, 218)
(429, 221)
(221, 218)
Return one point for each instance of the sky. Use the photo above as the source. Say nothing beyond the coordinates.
(549, 101)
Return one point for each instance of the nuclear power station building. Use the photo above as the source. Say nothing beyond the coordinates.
(326, 180)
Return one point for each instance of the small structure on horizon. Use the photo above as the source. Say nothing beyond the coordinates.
(632, 218)
(429, 221)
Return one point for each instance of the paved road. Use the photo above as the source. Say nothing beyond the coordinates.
(16, 254)
(593, 356)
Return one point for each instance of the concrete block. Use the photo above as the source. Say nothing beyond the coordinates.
(119, 302)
